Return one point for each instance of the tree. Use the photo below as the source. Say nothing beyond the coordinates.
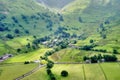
(26, 62)
(107, 22)
(17, 31)
(80, 19)
(52, 77)
(110, 58)
(61, 18)
(85, 58)
(99, 56)
(91, 41)
(50, 64)
(9, 36)
(15, 19)
(115, 51)
(94, 59)
(18, 50)
(104, 36)
(64, 73)
(28, 45)
(49, 71)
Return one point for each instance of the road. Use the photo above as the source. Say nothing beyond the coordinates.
(29, 73)
(4, 57)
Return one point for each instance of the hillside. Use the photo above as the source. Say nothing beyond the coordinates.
(89, 19)
(62, 34)
(58, 4)
(24, 19)
(96, 19)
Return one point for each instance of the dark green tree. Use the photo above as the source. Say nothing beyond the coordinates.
(115, 51)
(64, 73)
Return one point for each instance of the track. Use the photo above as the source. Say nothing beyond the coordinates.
(29, 73)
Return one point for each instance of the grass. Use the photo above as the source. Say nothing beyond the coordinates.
(73, 74)
(68, 55)
(19, 41)
(39, 75)
(92, 72)
(35, 55)
(75, 55)
(12, 71)
(111, 70)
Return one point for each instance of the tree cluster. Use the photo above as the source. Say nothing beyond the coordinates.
(99, 57)
(50, 64)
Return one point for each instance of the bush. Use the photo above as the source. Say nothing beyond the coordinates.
(26, 62)
(85, 58)
(64, 73)
(18, 50)
(17, 31)
(115, 51)
(91, 41)
(99, 57)
(9, 36)
(49, 71)
(50, 64)
(110, 58)
(52, 77)
(94, 59)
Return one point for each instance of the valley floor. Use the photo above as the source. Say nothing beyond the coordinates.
(102, 71)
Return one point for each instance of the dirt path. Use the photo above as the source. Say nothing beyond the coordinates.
(29, 73)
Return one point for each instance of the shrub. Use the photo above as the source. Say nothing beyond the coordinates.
(52, 77)
(115, 51)
(49, 71)
(9, 36)
(26, 62)
(91, 41)
(94, 59)
(50, 64)
(110, 58)
(85, 58)
(64, 73)
(18, 50)
(17, 31)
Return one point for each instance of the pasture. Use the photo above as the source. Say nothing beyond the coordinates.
(103, 71)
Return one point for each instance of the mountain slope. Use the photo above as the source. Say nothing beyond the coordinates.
(84, 19)
(24, 18)
(95, 19)
(58, 4)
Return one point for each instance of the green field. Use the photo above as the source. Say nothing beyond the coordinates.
(111, 70)
(91, 72)
(75, 55)
(68, 55)
(12, 71)
(35, 55)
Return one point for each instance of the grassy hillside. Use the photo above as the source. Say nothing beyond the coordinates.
(87, 19)
(68, 55)
(32, 56)
(94, 20)
(24, 19)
